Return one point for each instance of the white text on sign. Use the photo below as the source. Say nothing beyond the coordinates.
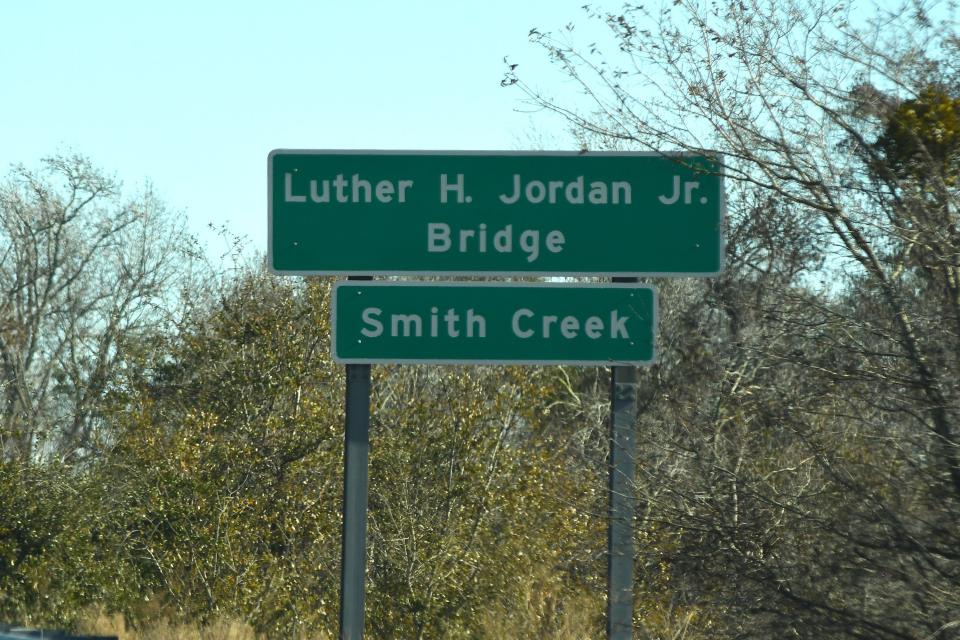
(524, 324)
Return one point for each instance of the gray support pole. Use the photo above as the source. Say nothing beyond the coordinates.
(623, 423)
(356, 451)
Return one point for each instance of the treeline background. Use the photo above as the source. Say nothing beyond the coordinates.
(171, 424)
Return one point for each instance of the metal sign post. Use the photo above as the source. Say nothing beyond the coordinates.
(622, 498)
(356, 451)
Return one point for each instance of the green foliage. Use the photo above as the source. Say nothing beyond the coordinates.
(221, 492)
(462, 513)
(216, 489)
(922, 136)
(225, 468)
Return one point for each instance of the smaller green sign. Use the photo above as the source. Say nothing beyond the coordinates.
(493, 323)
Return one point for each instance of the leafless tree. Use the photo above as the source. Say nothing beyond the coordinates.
(82, 271)
(802, 467)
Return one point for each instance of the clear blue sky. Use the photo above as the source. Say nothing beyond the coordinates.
(193, 95)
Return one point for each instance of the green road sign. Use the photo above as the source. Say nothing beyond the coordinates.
(497, 213)
(493, 323)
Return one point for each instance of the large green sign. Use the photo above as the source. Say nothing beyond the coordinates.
(497, 213)
(493, 323)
